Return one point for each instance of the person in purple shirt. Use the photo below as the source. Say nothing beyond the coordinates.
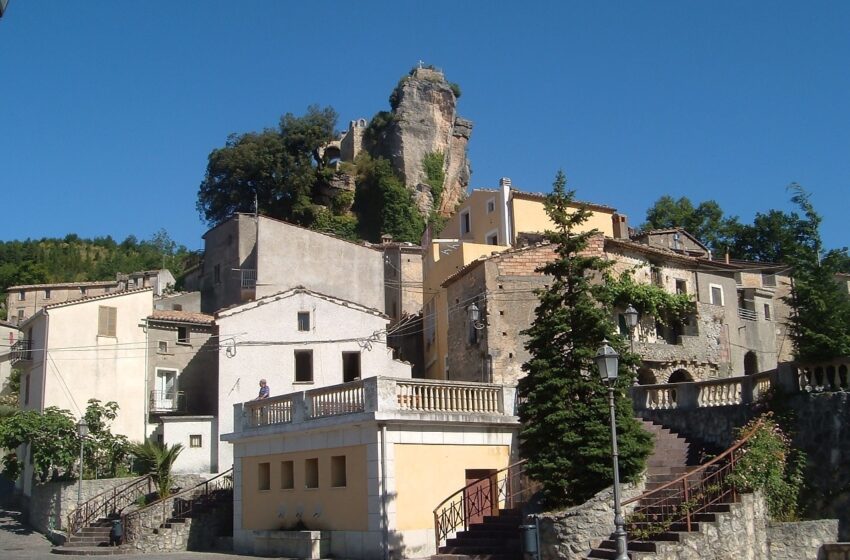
(264, 390)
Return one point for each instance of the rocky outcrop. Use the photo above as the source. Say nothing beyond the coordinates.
(425, 121)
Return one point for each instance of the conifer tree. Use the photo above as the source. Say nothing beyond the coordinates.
(565, 434)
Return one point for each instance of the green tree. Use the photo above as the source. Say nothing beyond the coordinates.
(105, 454)
(820, 324)
(157, 459)
(705, 221)
(281, 168)
(564, 433)
(383, 204)
(53, 440)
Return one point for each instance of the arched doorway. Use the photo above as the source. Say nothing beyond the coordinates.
(751, 363)
(680, 376)
(646, 377)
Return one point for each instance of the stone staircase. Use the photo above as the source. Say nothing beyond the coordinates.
(91, 540)
(681, 498)
(497, 537)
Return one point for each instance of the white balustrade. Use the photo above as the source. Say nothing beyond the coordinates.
(339, 399)
(661, 398)
(720, 393)
(276, 410)
(441, 397)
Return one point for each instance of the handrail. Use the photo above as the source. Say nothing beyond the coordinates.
(692, 493)
(178, 509)
(509, 487)
(100, 506)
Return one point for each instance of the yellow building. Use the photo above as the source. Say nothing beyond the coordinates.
(363, 464)
(487, 221)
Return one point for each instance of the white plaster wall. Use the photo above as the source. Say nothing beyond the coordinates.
(178, 429)
(292, 256)
(273, 324)
(81, 365)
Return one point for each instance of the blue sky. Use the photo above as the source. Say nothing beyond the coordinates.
(108, 109)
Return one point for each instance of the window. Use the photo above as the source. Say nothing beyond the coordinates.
(681, 287)
(264, 476)
(716, 294)
(165, 397)
(46, 294)
(287, 475)
(82, 291)
(767, 312)
(303, 321)
(217, 274)
(338, 478)
(303, 366)
(350, 366)
(27, 390)
(20, 314)
(768, 280)
(311, 473)
(655, 276)
(491, 205)
(465, 222)
(492, 238)
(107, 317)
(182, 335)
(22, 296)
(162, 347)
(196, 440)
(177, 307)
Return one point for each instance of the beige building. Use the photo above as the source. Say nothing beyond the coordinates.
(487, 222)
(9, 335)
(366, 463)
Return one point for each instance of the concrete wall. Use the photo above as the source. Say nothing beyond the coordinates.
(801, 540)
(35, 297)
(290, 256)
(228, 248)
(180, 429)
(402, 279)
(8, 336)
(186, 301)
(273, 323)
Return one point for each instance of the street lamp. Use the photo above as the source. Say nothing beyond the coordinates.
(607, 361)
(82, 431)
(474, 315)
(631, 316)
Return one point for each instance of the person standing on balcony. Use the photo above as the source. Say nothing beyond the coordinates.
(264, 390)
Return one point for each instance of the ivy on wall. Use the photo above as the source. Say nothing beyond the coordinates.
(648, 299)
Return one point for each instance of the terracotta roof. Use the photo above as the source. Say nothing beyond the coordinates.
(8, 325)
(650, 249)
(92, 298)
(540, 196)
(60, 285)
(174, 316)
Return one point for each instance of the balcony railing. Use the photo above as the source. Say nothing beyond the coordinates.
(21, 351)
(378, 394)
(704, 394)
(747, 314)
(249, 278)
(167, 401)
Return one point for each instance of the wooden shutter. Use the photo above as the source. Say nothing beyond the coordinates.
(107, 318)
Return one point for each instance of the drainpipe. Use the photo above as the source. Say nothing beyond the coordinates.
(145, 395)
(385, 536)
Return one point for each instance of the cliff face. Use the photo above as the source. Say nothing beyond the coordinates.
(426, 121)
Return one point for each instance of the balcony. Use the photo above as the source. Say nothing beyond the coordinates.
(747, 314)
(249, 278)
(165, 402)
(400, 398)
(21, 351)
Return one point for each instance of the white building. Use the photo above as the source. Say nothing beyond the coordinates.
(297, 340)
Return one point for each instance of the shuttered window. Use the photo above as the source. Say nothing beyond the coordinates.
(107, 318)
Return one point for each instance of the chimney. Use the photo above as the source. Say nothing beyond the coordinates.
(386, 238)
(727, 256)
(505, 182)
(621, 226)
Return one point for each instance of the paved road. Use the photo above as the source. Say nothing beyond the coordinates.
(19, 542)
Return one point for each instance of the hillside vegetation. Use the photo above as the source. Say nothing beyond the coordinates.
(75, 259)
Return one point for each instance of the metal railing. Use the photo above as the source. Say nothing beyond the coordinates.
(249, 277)
(747, 314)
(681, 501)
(109, 502)
(504, 489)
(167, 401)
(177, 506)
(21, 350)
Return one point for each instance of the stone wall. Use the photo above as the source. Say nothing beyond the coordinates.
(800, 540)
(715, 425)
(48, 507)
(570, 534)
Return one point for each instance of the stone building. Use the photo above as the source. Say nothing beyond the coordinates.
(9, 334)
(182, 382)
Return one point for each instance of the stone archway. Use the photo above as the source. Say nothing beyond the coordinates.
(646, 377)
(680, 376)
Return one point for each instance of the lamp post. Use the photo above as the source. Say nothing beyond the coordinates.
(82, 431)
(607, 361)
(631, 316)
(474, 315)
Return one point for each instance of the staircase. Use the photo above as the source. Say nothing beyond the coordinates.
(484, 518)
(679, 498)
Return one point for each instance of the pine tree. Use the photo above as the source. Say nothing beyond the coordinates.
(565, 434)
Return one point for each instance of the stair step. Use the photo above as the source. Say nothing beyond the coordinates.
(479, 550)
(91, 551)
(631, 546)
(475, 557)
(483, 541)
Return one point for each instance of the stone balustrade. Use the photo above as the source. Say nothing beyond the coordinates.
(704, 394)
(824, 377)
(377, 395)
